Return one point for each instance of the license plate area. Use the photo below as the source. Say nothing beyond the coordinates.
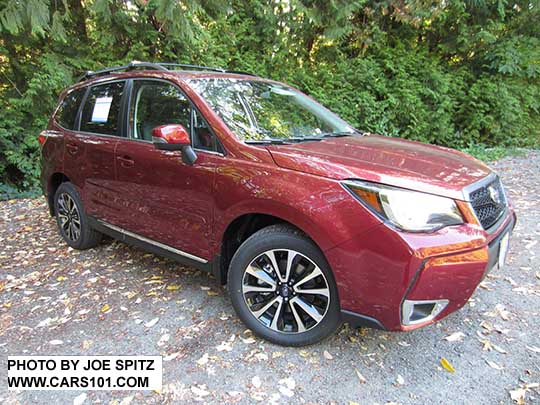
(498, 250)
(503, 250)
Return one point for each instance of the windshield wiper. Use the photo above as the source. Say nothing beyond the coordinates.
(303, 138)
(298, 139)
(267, 141)
(337, 134)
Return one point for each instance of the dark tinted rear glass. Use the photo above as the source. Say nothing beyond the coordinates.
(100, 112)
(67, 113)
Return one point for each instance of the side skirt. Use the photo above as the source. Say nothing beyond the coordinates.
(151, 245)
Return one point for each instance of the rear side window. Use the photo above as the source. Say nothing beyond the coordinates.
(67, 112)
(101, 109)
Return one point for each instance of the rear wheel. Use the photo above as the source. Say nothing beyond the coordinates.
(282, 287)
(72, 220)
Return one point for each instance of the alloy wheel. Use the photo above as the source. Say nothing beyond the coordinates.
(286, 291)
(69, 217)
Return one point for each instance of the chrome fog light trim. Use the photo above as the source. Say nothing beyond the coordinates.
(415, 312)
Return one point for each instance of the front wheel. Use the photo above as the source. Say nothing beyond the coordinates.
(282, 287)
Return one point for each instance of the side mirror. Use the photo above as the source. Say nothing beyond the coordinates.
(174, 137)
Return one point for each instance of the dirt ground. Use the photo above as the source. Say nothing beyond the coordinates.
(119, 300)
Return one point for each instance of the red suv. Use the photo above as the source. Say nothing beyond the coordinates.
(308, 220)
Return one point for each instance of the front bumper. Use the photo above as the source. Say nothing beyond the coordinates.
(382, 273)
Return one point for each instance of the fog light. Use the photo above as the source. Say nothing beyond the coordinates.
(415, 312)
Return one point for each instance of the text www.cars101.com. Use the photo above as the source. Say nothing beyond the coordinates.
(78, 382)
(84, 372)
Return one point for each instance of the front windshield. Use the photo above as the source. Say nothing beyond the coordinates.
(257, 111)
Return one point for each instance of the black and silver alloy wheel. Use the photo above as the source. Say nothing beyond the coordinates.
(282, 287)
(69, 217)
(286, 291)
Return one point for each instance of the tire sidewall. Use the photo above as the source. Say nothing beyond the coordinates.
(252, 248)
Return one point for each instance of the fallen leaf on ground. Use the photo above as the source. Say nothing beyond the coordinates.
(203, 360)
(455, 337)
(224, 347)
(518, 395)
(171, 356)
(494, 365)
(200, 391)
(105, 308)
(400, 380)
(79, 399)
(361, 378)
(447, 366)
(288, 382)
(151, 323)
(287, 392)
(256, 382)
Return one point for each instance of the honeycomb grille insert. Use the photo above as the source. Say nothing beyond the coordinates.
(489, 203)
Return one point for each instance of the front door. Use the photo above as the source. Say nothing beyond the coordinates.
(164, 199)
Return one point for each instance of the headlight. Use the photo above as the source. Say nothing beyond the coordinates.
(407, 210)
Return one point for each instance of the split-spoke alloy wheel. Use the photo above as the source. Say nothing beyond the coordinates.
(286, 291)
(69, 217)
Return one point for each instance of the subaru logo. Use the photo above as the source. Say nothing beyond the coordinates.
(494, 194)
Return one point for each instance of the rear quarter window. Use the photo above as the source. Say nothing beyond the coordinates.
(66, 116)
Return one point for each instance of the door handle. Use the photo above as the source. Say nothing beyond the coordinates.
(125, 161)
(72, 148)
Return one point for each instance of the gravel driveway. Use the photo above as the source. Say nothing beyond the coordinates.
(119, 300)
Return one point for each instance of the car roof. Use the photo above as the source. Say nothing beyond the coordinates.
(160, 70)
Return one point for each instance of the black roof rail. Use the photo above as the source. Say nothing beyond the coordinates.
(203, 68)
(156, 66)
(194, 67)
(132, 65)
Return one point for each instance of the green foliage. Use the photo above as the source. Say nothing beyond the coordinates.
(8, 192)
(491, 154)
(458, 73)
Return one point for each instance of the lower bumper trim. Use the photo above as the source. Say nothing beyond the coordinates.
(357, 320)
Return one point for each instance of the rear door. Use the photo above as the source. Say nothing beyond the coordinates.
(89, 152)
(62, 126)
(166, 200)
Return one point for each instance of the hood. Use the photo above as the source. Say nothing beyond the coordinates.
(393, 161)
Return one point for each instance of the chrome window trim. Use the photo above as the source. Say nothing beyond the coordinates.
(153, 242)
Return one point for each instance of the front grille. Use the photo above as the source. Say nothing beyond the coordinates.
(489, 203)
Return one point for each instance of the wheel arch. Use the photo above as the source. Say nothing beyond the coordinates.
(243, 225)
(54, 182)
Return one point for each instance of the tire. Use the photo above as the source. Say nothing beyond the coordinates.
(72, 220)
(308, 306)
